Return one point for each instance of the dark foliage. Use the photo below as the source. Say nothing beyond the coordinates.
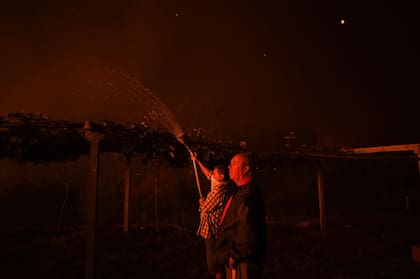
(37, 139)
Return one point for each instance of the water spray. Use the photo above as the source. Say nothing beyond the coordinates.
(135, 91)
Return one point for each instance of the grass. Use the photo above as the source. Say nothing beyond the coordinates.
(377, 247)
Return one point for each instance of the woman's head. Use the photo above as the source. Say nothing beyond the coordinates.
(219, 174)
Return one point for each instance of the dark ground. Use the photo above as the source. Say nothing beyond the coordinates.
(375, 247)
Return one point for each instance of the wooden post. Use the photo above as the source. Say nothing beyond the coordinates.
(92, 190)
(157, 177)
(127, 173)
(321, 197)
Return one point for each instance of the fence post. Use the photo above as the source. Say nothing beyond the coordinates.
(92, 190)
(127, 175)
(321, 196)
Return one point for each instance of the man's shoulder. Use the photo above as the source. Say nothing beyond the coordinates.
(250, 187)
(226, 189)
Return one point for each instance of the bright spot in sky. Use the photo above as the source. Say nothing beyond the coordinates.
(177, 14)
(264, 54)
(343, 21)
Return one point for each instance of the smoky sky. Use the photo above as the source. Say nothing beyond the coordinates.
(249, 70)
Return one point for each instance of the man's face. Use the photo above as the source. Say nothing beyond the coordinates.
(236, 168)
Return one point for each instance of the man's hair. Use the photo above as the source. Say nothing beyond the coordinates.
(247, 156)
(248, 161)
(223, 170)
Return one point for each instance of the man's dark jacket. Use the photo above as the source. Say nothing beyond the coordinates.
(242, 234)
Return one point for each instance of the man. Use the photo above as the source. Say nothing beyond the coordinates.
(211, 210)
(241, 244)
